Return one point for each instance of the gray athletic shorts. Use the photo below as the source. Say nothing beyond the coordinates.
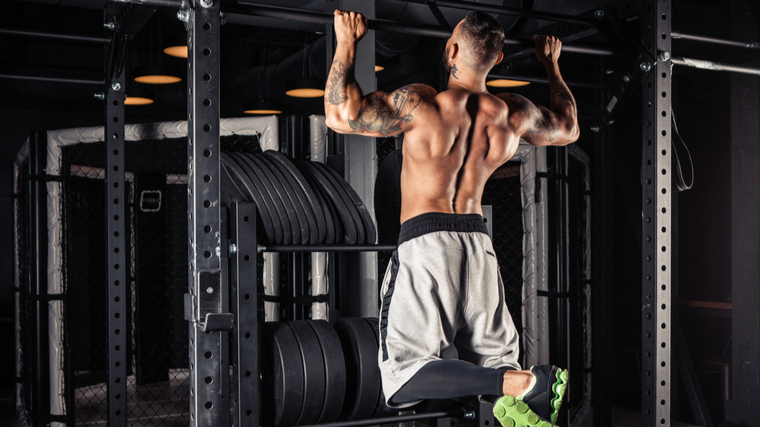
(443, 298)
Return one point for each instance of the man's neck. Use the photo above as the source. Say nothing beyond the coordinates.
(468, 81)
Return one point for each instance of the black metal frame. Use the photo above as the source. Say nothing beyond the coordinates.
(652, 59)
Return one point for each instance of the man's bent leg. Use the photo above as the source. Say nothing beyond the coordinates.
(448, 379)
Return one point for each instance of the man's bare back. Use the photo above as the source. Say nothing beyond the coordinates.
(448, 159)
(453, 140)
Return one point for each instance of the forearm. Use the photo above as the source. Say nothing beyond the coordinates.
(563, 102)
(343, 96)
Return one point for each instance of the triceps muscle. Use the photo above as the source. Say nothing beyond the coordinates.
(540, 120)
(386, 113)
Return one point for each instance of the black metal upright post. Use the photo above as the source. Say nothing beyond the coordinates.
(656, 220)
(243, 252)
(38, 278)
(207, 298)
(558, 255)
(118, 298)
(127, 20)
(601, 247)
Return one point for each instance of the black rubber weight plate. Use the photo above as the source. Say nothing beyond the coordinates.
(335, 370)
(289, 214)
(311, 197)
(361, 236)
(230, 191)
(332, 221)
(270, 196)
(382, 409)
(250, 193)
(283, 375)
(306, 219)
(350, 232)
(314, 371)
(369, 226)
(362, 381)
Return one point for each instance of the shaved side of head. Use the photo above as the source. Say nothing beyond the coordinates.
(484, 39)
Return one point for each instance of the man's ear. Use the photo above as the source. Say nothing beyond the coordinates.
(501, 56)
(454, 50)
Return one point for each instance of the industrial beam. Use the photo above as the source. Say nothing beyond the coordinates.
(248, 8)
(55, 36)
(504, 10)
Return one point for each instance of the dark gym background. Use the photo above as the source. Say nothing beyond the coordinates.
(706, 104)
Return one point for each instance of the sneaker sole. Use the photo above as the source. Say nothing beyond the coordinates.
(558, 388)
(515, 413)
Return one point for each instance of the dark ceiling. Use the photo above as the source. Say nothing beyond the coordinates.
(260, 55)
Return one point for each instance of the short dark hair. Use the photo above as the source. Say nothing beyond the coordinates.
(485, 36)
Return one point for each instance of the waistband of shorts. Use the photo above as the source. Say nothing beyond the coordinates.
(432, 222)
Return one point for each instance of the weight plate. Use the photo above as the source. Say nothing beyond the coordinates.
(352, 210)
(270, 195)
(382, 409)
(311, 197)
(335, 370)
(350, 233)
(332, 221)
(283, 375)
(362, 381)
(230, 191)
(366, 217)
(306, 219)
(314, 371)
(249, 192)
(289, 215)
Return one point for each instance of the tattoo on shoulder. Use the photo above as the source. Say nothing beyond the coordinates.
(539, 121)
(454, 70)
(336, 93)
(386, 113)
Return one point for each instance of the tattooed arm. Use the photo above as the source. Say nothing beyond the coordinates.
(537, 124)
(347, 109)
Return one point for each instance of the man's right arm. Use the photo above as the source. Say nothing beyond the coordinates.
(537, 124)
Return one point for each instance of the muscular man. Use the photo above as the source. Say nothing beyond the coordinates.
(445, 329)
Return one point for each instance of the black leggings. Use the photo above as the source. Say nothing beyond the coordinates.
(448, 379)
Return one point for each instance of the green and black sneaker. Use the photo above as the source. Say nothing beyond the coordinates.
(539, 405)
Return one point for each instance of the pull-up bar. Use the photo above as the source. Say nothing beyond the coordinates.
(385, 25)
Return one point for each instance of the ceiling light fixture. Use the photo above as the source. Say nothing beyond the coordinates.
(176, 45)
(262, 108)
(138, 97)
(156, 74)
(305, 88)
(379, 68)
(506, 83)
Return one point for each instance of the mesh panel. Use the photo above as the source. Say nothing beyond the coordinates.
(156, 185)
(84, 251)
(504, 195)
